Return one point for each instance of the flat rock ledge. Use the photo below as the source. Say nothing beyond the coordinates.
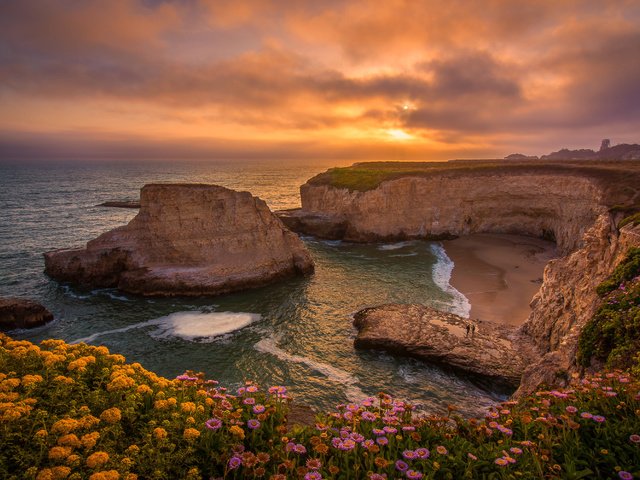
(22, 313)
(187, 239)
(490, 356)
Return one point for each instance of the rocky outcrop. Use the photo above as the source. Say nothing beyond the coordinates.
(575, 204)
(558, 207)
(567, 300)
(22, 313)
(187, 239)
(487, 355)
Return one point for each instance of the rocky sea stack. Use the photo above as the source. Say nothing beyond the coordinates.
(187, 239)
(22, 313)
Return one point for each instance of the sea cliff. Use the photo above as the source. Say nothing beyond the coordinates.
(577, 204)
(187, 239)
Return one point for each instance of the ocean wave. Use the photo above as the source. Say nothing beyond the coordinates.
(442, 275)
(337, 375)
(395, 246)
(190, 326)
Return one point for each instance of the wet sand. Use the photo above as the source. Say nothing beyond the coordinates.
(499, 273)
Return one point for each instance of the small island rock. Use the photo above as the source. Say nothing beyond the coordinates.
(486, 355)
(22, 313)
(187, 239)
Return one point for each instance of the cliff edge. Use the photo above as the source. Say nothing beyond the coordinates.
(577, 204)
(187, 239)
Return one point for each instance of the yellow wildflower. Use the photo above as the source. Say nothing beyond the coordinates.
(80, 365)
(191, 434)
(127, 462)
(191, 420)
(52, 343)
(60, 472)
(172, 401)
(64, 426)
(52, 359)
(73, 459)
(200, 408)
(111, 415)
(89, 440)
(133, 449)
(188, 407)
(116, 358)
(101, 350)
(237, 431)
(46, 474)
(9, 384)
(98, 459)
(59, 453)
(105, 475)
(159, 433)
(144, 389)
(160, 404)
(42, 433)
(121, 382)
(69, 440)
(63, 379)
(131, 476)
(88, 421)
(29, 380)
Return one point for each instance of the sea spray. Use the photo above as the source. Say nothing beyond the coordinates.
(191, 326)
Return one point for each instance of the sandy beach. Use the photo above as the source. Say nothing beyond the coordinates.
(499, 273)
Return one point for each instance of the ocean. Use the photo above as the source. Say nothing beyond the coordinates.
(297, 332)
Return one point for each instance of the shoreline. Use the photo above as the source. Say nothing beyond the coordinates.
(498, 273)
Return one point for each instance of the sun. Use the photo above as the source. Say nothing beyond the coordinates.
(398, 134)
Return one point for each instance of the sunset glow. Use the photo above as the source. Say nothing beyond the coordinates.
(337, 79)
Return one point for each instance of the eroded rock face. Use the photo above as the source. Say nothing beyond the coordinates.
(22, 313)
(570, 208)
(488, 354)
(567, 300)
(187, 239)
(560, 207)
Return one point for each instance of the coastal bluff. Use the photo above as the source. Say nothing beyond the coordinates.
(585, 207)
(485, 354)
(187, 239)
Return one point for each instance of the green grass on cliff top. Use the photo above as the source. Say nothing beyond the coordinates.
(620, 179)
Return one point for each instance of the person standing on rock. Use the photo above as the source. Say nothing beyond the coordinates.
(473, 330)
(468, 328)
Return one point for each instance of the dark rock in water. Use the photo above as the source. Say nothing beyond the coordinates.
(187, 239)
(124, 204)
(22, 313)
(486, 354)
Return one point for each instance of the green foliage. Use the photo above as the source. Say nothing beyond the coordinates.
(626, 270)
(76, 411)
(612, 336)
(631, 219)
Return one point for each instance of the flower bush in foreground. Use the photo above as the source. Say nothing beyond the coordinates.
(77, 411)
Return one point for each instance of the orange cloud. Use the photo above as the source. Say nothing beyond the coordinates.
(481, 78)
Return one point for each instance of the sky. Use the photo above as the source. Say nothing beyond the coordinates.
(387, 80)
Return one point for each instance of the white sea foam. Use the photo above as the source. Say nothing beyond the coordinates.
(394, 246)
(352, 391)
(414, 254)
(191, 326)
(442, 275)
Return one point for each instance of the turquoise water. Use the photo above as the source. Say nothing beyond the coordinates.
(298, 332)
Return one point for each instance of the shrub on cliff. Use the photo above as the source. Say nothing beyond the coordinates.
(77, 411)
(612, 336)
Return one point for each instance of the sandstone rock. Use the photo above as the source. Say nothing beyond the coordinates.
(559, 207)
(187, 239)
(22, 313)
(488, 355)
